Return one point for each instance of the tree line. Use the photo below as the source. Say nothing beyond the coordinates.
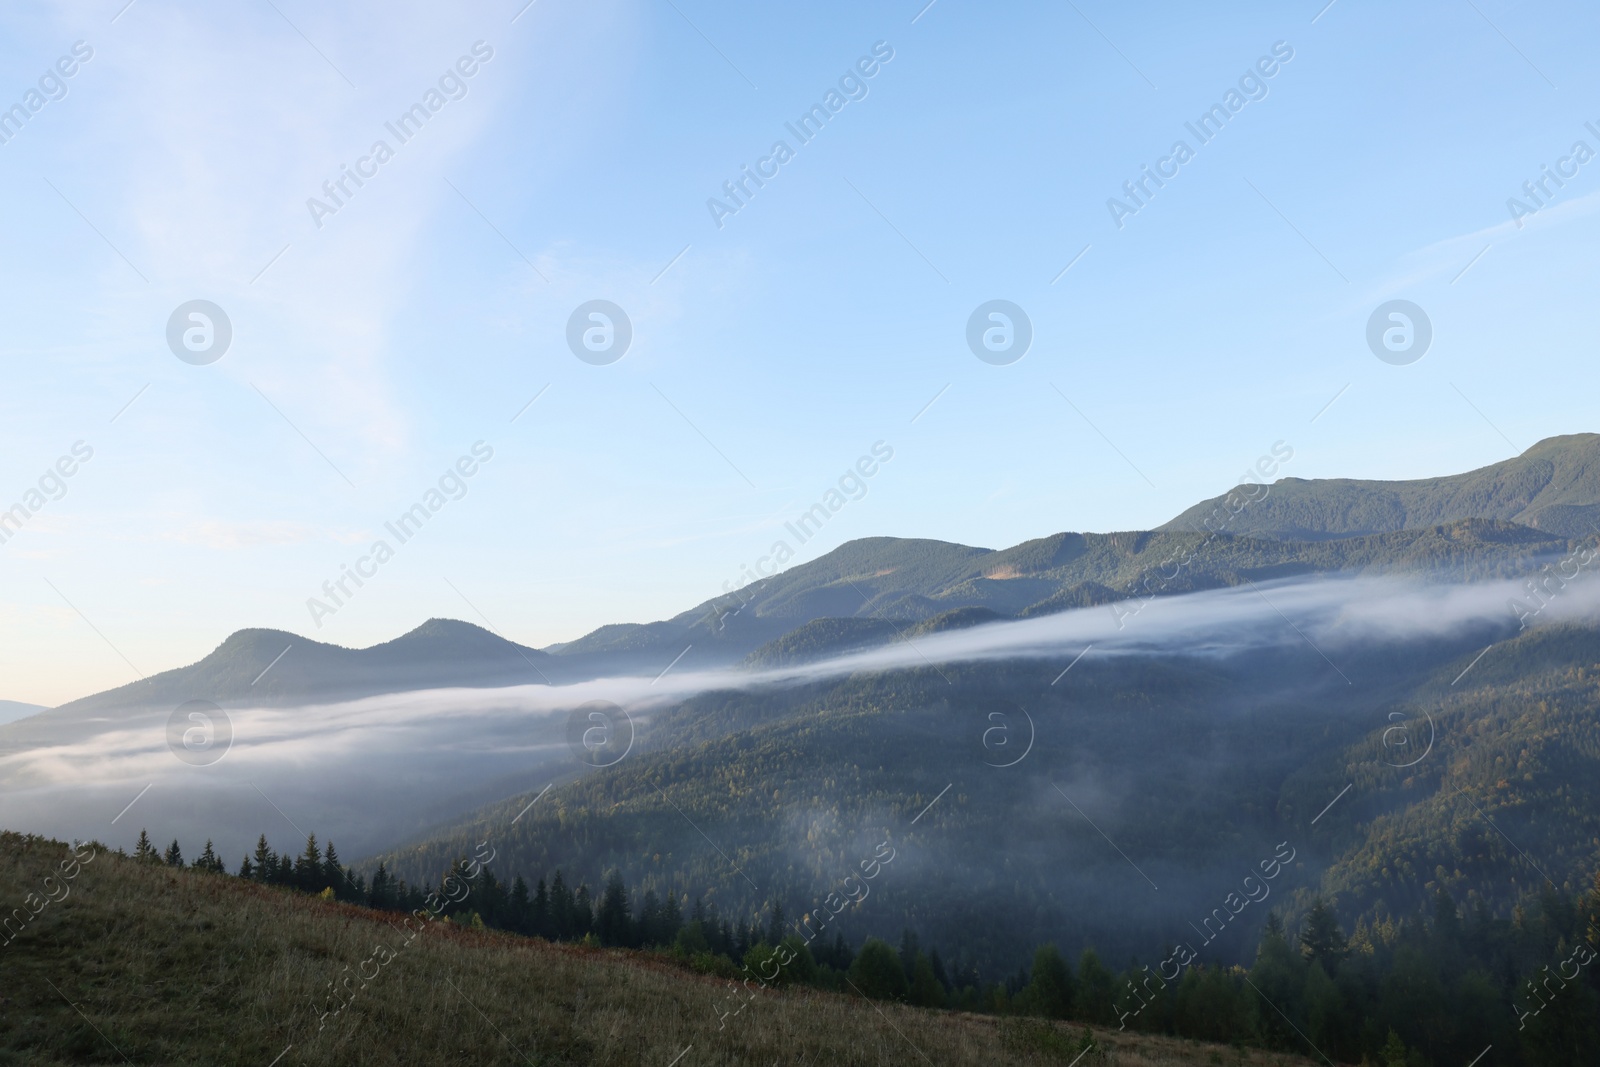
(1421, 991)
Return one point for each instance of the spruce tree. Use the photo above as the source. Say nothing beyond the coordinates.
(208, 859)
(380, 895)
(1321, 940)
(174, 856)
(266, 860)
(926, 992)
(908, 953)
(582, 912)
(539, 914)
(612, 917)
(308, 868)
(333, 873)
(1592, 908)
(648, 931)
(671, 919)
(843, 955)
(519, 907)
(775, 931)
(562, 922)
(144, 851)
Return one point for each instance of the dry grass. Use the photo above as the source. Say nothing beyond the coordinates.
(148, 965)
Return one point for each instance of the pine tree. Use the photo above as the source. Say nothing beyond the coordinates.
(775, 931)
(492, 900)
(908, 953)
(266, 860)
(174, 856)
(519, 907)
(539, 914)
(671, 919)
(582, 912)
(381, 893)
(208, 859)
(1322, 940)
(562, 921)
(926, 991)
(1592, 907)
(1394, 1051)
(308, 868)
(842, 955)
(648, 931)
(245, 870)
(144, 851)
(333, 873)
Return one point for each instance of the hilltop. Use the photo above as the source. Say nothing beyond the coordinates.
(1553, 486)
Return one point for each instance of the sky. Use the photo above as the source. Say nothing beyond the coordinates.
(386, 338)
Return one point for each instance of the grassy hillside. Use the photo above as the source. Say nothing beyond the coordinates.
(145, 964)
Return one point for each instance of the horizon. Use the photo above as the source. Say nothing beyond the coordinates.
(376, 328)
(712, 600)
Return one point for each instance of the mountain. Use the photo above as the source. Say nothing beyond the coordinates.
(12, 710)
(1553, 486)
(274, 665)
(1111, 807)
(1499, 521)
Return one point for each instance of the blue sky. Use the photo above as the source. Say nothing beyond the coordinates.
(376, 349)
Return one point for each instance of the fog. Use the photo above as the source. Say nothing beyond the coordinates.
(372, 772)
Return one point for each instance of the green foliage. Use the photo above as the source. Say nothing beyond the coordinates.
(926, 991)
(1050, 989)
(1095, 992)
(877, 972)
(1321, 940)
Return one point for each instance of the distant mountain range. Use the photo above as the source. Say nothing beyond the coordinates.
(12, 710)
(1496, 521)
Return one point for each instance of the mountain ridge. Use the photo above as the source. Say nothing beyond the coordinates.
(1533, 505)
(1552, 486)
